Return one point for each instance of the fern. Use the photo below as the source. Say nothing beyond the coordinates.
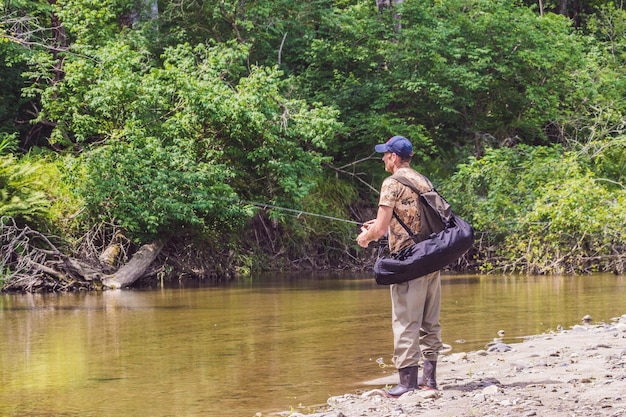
(20, 190)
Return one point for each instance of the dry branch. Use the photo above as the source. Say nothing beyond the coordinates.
(31, 261)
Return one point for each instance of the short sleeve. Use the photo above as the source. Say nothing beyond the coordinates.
(405, 202)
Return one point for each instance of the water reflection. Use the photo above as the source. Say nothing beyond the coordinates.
(257, 345)
(527, 305)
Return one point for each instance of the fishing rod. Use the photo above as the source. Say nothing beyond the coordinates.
(299, 212)
(323, 216)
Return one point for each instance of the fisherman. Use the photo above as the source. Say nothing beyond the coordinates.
(415, 304)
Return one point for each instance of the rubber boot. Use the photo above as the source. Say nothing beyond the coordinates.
(408, 382)
(429, 380)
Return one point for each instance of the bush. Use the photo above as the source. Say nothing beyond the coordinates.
(540, 210)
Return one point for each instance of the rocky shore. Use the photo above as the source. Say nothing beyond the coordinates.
(580, 371)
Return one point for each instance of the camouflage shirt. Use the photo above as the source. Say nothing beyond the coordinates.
(405, 202)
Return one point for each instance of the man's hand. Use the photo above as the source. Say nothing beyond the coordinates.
(375, 229)
(362, 239)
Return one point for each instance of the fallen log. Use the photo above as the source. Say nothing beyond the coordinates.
(135, 268)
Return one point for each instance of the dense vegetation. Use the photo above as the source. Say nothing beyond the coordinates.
(126, 122)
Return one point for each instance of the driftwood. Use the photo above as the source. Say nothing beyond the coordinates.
(31, 261)
(135, 268)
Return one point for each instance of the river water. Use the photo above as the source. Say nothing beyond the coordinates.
(261, 345)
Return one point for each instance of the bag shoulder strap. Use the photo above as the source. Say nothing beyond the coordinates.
(395, 215)
(436, 211)
(405, 181)
(430, 197)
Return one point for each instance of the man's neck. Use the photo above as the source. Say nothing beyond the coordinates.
(397, 167)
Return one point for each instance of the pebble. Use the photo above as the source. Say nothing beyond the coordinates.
(491, 390)
(500, 347)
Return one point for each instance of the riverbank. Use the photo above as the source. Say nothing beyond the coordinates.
(580, 371)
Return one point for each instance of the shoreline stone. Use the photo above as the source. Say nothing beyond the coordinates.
(575, 372)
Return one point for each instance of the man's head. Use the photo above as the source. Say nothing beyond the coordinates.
(397, 153)
(399, 145)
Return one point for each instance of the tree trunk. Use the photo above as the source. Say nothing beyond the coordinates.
(135, 268)
(144, 11)
(384, 4)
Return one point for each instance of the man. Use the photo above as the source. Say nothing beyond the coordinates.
(415, 304)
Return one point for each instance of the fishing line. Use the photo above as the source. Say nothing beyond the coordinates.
(299, 212)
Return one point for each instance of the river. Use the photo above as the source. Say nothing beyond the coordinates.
(260, 345)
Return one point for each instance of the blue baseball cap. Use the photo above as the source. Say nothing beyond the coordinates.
(398, 145)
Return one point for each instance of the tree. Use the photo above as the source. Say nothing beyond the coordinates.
(171, 116)
(458, 77)
(170, 151)
(577, 10)
(184, 142)
(25, 27)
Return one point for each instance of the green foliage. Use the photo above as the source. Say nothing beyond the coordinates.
(494, 191)
(21, 195)
(541, 210)
(453, 76)
(93, 23)
(314, 238)
(170, 135)
(185, 139)
(348, 65)
(608, 26)
(577, 225)
(33, 190)
(601, 141)
(98, 93)
(8, 143)
(579, 11)
(277, 31)
(328, 240)
(152, 189)
(488, 69)
(598, 132)
(18, 23)
(11, 65)
(61, 176)
(271, 142)
(609, 161)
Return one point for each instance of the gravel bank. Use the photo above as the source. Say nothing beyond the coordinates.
(580, 371)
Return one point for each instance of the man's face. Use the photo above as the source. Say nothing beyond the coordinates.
(388, 159)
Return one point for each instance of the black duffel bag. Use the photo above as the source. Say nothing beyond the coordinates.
(450, 240)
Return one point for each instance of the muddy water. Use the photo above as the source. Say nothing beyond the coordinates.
(261, 345)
